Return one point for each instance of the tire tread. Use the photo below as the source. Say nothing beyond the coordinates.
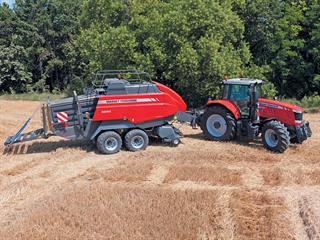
(101, 139)
(130, 134)
(283, 135)
(231, 123)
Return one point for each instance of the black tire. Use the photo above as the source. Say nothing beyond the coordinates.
(136, 140)
(109, 142)
(275, 136)
(295, 140)
(175, 142)
(230, 124)
(307, 131)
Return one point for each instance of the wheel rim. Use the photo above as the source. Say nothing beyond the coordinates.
(111, 143)
(176, 141)
(271, 138)
(216, 125)
(137, 142)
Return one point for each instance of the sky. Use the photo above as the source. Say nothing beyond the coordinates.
(10, 2)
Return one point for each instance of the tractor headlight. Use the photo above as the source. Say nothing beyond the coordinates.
(298, 116)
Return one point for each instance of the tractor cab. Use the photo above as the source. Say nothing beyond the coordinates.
(244, 93)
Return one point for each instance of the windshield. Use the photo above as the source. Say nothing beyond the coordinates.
(239, 95)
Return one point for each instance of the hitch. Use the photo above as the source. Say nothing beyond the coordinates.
(190, 117)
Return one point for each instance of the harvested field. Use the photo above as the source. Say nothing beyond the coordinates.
(60, 189)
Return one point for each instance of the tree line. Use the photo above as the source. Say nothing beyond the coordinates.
(55, 45)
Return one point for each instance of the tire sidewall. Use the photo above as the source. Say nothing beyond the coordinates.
(131, 134)
(229, 134)
(274, 125)
(103, 137)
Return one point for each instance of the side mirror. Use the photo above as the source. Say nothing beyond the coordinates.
(255, 96)
(270, 86)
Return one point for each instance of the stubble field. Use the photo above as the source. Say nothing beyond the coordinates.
(60, 189)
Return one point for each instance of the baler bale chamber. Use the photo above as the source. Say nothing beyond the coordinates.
(78, 114)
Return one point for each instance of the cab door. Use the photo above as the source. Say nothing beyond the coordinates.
(238, 94)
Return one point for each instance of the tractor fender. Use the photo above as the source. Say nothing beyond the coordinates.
(264, 121)
(267, 120)
(226, 104)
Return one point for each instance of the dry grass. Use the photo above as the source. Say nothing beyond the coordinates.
(119, 212)
(310, 220)
(57, 189)
(132, 172)
(285, 177)
(259, 216)
(215, 176)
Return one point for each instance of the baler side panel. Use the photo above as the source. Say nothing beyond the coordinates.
(135, 108)
(174, 95)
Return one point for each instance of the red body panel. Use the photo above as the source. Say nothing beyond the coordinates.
(139, 108)
(228, 105)
(282, 111)
(175, 96)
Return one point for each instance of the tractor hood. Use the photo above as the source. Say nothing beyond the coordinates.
(278, 104)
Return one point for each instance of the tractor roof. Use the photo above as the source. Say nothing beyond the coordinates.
(242, 81)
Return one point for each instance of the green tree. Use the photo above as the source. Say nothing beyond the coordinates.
(311, 53)
(54, 57)
(15, 74)
(188, 45)
(283, 36)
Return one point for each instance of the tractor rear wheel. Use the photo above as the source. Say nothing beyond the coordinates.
(109, 142)
(218, 124)
(275, 136)
(136, 140)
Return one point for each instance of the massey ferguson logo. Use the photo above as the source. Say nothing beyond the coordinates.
(263, 104)
(128, 100)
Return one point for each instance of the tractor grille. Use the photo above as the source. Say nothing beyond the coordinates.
(298, 116)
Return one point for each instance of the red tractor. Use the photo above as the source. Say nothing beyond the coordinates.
(241, 113)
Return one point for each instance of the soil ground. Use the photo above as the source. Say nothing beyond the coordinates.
(60, 189)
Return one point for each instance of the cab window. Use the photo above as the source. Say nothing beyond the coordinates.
(238, 92)
(239, 95)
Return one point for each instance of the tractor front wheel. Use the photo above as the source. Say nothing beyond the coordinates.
(218, 124)
(275, 136)
(109, 142)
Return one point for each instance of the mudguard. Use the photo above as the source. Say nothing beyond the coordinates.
(226, 104)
